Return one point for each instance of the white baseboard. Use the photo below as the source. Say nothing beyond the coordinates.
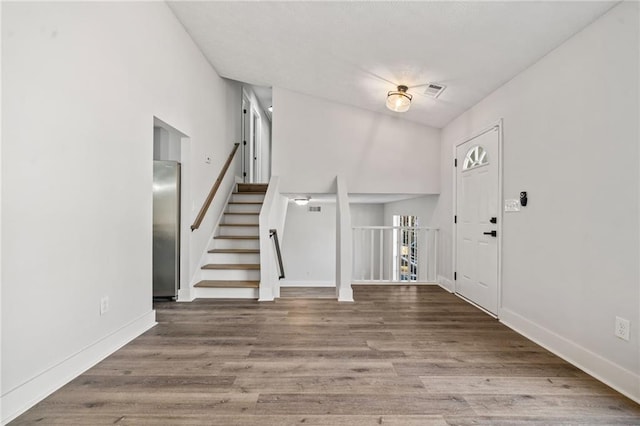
(446, 283)
(345, 294)
(26, 395)
(299, 283)
(266, 293)
(624, 381)
(185, 295)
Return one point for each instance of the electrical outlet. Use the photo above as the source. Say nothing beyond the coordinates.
(622, 328)
(104, 305)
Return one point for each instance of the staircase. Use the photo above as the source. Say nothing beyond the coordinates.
(232, 266)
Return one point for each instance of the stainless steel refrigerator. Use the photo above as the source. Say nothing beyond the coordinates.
(166, 228)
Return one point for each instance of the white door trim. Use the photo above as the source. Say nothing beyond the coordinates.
(256, 148)
(454, 252)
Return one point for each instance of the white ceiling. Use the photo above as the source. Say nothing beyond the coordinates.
(354, 52)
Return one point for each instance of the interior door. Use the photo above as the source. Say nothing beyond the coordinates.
(477, 190)
(255, 147)
(246, 134)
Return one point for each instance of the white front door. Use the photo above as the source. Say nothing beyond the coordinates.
(477, 205)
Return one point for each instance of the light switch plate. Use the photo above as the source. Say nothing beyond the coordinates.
(104, 305)
(512, 205)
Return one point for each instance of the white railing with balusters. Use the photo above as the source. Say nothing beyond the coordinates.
(395, 254)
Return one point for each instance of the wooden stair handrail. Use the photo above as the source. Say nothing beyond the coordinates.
(214, 189)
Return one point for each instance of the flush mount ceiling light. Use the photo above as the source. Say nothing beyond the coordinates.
(301, 201)
(399, 100)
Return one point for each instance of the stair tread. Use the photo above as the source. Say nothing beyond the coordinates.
(237, 237)
(241, 251)
(244, 213)
(249, 193)
(227, 283)
(243, 266)
(246, 202)
(238, 224)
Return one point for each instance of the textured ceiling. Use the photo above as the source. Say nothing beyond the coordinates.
(354, 52)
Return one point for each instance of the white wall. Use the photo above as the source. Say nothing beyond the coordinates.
(167, 145)
(423, 207)
(77, 146)
(265, 146)
(315, 140)
(366, 214)
(570, 259)
(309, 245)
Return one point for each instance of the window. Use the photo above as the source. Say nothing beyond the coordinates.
(476, 157)
(405, 248)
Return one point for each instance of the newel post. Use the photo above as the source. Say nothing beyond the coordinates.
(344, 245)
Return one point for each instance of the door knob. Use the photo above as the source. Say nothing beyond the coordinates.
(492, 233)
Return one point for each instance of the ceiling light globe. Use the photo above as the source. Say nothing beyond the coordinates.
(400, 100)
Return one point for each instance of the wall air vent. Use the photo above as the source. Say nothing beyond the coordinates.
(314, 208)
(434, 89)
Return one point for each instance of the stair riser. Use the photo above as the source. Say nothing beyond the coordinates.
(239, 230)
(226, 293)
(238, 244)
(247, 198)
(232, 258)
(244, 208)
(230, 274)
(241, 218)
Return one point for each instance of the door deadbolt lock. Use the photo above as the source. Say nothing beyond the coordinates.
(493, 220)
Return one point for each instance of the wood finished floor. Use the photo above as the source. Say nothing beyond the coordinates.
(400, 355)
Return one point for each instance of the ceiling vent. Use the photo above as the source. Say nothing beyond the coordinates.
(434, 89)
(314, 208)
